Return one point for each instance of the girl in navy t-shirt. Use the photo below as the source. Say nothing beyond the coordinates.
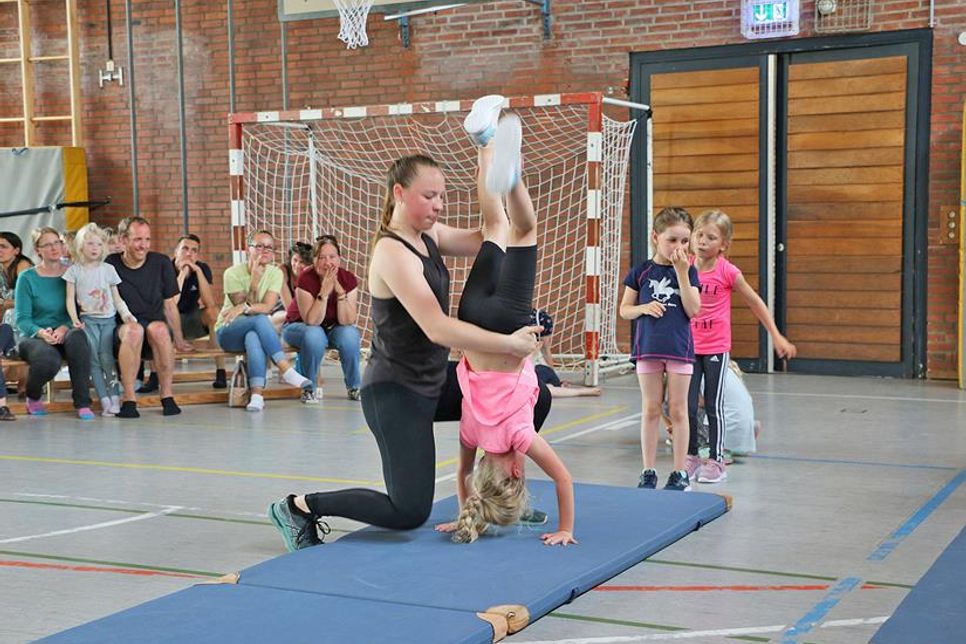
(661, 296)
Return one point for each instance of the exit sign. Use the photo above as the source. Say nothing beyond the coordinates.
(769, 18)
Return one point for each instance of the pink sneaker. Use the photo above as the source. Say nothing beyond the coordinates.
(712, 472)
(691, 465)
(36, 407)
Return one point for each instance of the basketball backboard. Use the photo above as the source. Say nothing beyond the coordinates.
(291, 10)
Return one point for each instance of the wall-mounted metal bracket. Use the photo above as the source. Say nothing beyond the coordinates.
(545, 13)
(405, 32)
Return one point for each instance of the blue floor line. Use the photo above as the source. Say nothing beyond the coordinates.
(821, 609)
(893, 540)
(835, 461)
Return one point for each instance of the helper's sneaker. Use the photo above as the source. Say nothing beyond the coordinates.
(504, 172)
(678, 481)
(533, 517)
(648, 480)
(691, 465)
(353, 393)
(480, 123)
(712, 472)
(297, 530)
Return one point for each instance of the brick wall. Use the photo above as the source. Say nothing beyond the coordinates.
(461, 53)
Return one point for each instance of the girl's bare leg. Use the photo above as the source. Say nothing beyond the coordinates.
(652, 394)
(496, 227)
(677, 392)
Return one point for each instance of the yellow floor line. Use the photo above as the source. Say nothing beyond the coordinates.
(190, 470)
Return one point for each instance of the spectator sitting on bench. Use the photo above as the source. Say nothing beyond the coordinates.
(251, 291)
(197, 305)
(48, 336)
(323, 314)
(149, 286)
(299, 257)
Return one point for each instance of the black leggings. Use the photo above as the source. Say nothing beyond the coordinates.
(44, 359)
(711, 368)
(402, 422)
(498, 294)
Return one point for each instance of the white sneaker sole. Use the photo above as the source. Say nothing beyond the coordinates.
(483, 114)
(504, 170)
(707, 479)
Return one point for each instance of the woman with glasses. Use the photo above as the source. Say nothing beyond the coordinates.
(49, 336)
(251, 291)
(323, 314)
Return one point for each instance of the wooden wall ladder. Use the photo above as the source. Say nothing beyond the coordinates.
(28, 70)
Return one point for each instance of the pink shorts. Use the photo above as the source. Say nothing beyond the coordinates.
(660, 366)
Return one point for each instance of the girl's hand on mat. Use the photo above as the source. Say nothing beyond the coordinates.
(446, 527)
(560, 537)
(654, 308)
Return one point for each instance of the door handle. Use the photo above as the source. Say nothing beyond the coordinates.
(780, 247)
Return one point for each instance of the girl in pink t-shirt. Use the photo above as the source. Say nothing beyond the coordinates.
(711, 330)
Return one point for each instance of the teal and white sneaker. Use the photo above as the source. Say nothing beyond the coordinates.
(297, 531)
(480, 123)
(504, 171)
(533, 517)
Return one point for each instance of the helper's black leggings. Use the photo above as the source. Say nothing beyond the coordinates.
(710, 368)
(402, 423)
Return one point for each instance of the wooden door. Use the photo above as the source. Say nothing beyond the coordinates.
(846, 182)
(707, 139)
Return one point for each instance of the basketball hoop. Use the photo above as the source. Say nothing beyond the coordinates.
(352, 22)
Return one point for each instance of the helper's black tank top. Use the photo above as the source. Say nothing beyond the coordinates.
(400, 351)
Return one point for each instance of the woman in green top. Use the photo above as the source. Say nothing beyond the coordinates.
(251, 291)
(48, 336)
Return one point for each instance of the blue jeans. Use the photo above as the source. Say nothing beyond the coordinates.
(312, 342)
(100, 337)
(255, 335)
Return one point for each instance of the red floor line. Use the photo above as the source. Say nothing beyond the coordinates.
(119, 571)
(733, 588)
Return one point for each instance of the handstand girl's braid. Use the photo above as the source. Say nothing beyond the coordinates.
(498, 498)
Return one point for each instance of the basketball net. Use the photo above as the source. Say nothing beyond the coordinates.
(352, 22)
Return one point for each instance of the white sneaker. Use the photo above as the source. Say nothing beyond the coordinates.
(106, 407)
(257, 403)
(115, 405)
(504, 170)
(480, 123)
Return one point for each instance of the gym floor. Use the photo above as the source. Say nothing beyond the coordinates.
(854, 492)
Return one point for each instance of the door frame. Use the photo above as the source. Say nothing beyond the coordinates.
(917, 44)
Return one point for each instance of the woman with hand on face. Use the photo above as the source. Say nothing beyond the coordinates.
(41, 311)
(251, 291)
(323, 314)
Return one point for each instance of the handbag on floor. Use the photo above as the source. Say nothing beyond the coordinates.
(239, 395)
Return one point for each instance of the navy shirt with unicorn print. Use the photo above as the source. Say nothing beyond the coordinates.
(667, 337)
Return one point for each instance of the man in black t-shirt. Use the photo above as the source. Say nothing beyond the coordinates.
(149, 286)
(197, 305)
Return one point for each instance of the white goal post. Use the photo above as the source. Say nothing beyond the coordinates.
(302, 173)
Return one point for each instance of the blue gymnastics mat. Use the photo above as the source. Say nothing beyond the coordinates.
(935, 609)
(417, 585)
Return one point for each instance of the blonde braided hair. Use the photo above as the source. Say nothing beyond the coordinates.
(498, 498)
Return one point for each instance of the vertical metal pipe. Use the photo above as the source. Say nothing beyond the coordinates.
(231, 56)
(181, 116)
(284, 46)
(135, 193)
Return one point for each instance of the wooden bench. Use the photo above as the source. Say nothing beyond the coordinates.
(203, 397)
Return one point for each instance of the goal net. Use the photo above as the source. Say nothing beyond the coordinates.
(312, 172)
